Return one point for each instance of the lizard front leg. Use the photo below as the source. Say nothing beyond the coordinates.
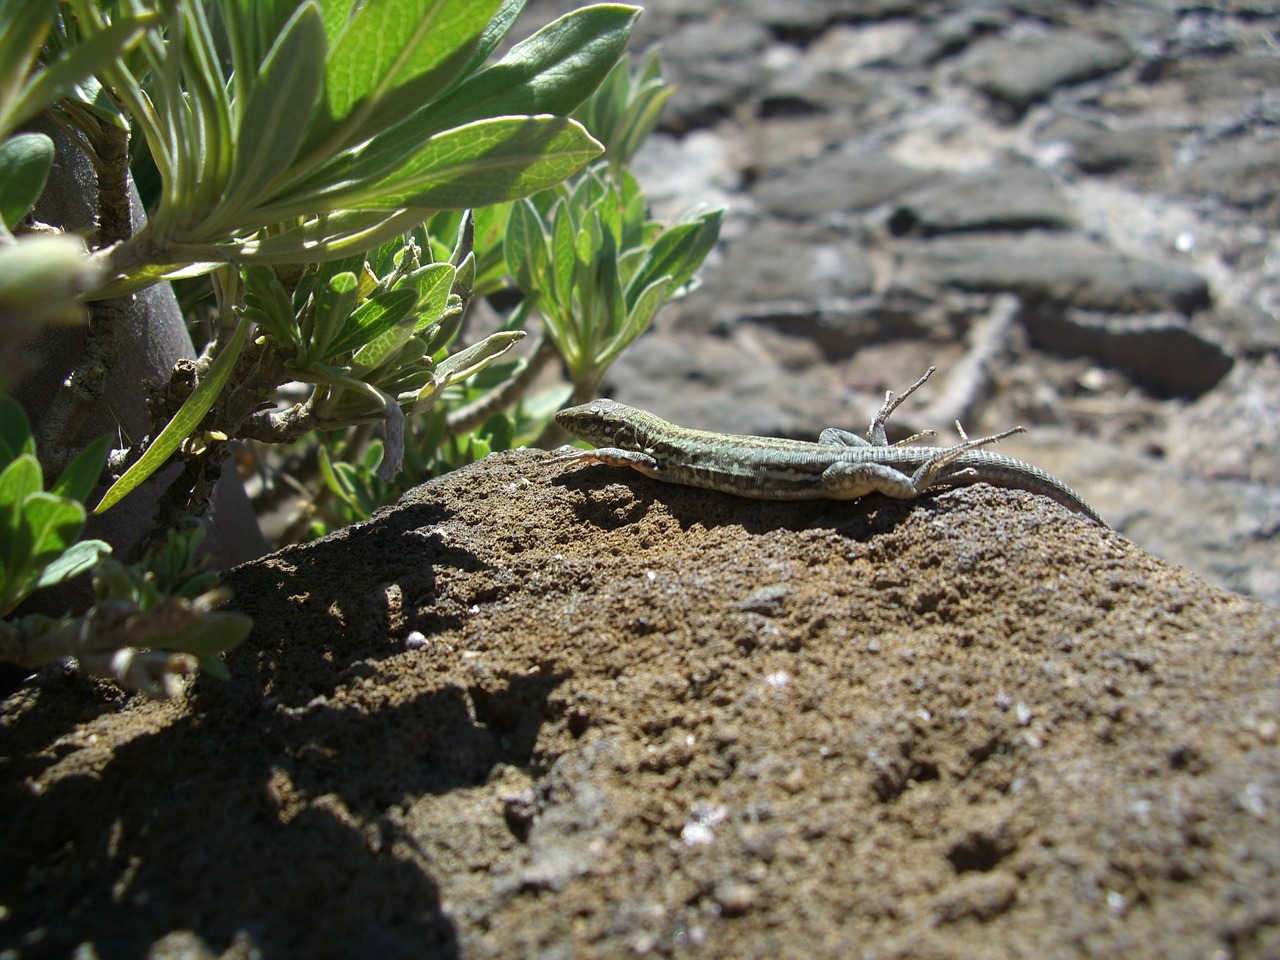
(617, 457)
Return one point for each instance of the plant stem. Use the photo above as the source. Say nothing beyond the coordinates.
(109, 642)
(108, 319)
(257, 374)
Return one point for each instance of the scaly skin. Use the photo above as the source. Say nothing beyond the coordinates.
(841, 466)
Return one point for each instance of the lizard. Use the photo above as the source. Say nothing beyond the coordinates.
(840, 466)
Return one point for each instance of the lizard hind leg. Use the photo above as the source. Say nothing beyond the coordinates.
(876, 437)
(927, 475)
(875, 432)
(849, 481)
(834, 436)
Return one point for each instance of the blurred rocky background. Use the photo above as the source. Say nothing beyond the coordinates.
(1066, 207)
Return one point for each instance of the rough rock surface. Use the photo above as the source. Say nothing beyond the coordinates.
(544, 713)
(541, 710)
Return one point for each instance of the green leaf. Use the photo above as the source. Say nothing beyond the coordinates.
(562, 256)
(465, 243)
(464, 279)
(91, 97)
(491, 225)
(393, 56)
(586, 193)
(270, 127)
(376, 351)
(81, 475)
(340, 478)
(42, 277)
(215, 666)
(525, 248)
(204, 133)
(25, 162)
(337, 16)
(610, 295)
(478, 356)
(372, 319)
(183, 422)
(404, 366)
(437, 56)
(54, 523)
(23, 26)
(78, 558)
(551, 72)
(442, 224)
(625, 109)
(332, 310)
(333, 236)
(482, 163)
(499, 25)
(463, 364)
(630, 262)
(433, 282)
(147, 274)
(439, 335)
(89, 57)
(638, 319)
(643, 115)
(600, 112)
(637, 229)
(609, 210)
(678, 253)
(252, 27)
(15, 431)
(19, 482)
(323, 276)
(20, 479)
(268, 304)
(373, 456)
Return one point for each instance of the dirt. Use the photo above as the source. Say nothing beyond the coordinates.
(549, 711)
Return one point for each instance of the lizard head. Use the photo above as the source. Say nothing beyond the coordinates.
(604, 423)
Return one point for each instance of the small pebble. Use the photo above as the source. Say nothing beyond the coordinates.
(735, 897)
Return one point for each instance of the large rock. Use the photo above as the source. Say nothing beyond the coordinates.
(1003, 198)
(546, 711)
(777, 260)
(844, 179)
(1064, 270)
(1161, 352)
(1020, 71)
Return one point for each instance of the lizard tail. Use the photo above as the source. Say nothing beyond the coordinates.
(1001, 471)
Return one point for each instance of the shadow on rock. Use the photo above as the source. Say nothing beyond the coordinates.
(270, 823)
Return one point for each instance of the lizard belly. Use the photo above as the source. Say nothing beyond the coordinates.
(804, 476)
